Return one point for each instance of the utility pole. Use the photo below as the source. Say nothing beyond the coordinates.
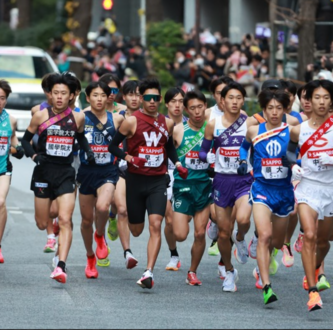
(197, 26)
(143, 20)
(272, 19)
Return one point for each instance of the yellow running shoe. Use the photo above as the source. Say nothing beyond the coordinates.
(214, 250)
(104, 262)
(274, 265)
(113, 233)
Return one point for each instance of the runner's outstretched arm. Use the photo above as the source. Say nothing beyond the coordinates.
(114, 146)
(84, 145)
(173, 156)
(291, 153)
(205, 149)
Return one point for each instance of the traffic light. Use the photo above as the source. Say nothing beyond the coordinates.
(107, 4)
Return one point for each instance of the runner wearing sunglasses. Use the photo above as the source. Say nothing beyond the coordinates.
(149, 144)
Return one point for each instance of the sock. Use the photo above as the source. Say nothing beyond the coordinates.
(126, 252)
(289, 248)
(256, 233)
(62, 265)
(232, 243)
(174, 253)
(320, 276)
(301, 230)
(189, 272)
(91, 257)
(314, 289)
(52, 236)
(112, 216)
(267, 287)
(221, 263)
(213, 243)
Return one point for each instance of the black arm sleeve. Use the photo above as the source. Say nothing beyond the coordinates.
(83, 142)
(291, 152)
(114, 146)
(28, 148)
(171, 151)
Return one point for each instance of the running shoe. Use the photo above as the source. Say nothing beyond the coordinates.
(241, 252)
(91, 271)
(2, 260)
(102, 250)
(298, 245)
(222, 272)
(55, 261)
(59, 275)
(315, 302)
(229, 284)
(269, 295)
(192, 279)
(288, 259)
(212, 230)
(104, 262)
(131, 262)
(113, 233)
(214, 251)
(274, 265)
(305, 280)
(256, 275)
(323, 284)
(174, 264)
(51, 246)
(56, 228)
(147, 280)
(252, 250)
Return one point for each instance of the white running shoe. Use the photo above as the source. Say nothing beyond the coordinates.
(229, 284)
(130, 262)
(212, 230)
(241, 252)
(147, 280)
(222, 272)
(174, 264)
(252, 250)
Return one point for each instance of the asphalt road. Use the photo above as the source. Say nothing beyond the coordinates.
(30, 299)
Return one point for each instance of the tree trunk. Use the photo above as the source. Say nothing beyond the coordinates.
(154, 11)
(82, 15)
(24, 7)
(307, 19)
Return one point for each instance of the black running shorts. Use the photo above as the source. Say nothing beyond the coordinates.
(49, 181)
(145, 193)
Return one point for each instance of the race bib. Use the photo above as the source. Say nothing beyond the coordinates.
(229, 158)
(193, 162)
(314, 164)
(3, 146)
(59, 146)
(102, 155)
(154, 156)
(273, 169)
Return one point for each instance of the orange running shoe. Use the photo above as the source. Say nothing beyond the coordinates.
(102, 250)
(56, 228)
(315, 302)
(2, 260)
(192, 279)
(305, 281)
(91, 270)
(59, 275)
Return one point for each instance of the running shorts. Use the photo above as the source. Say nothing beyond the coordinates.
(9, 171)
(145, 193)
(91, 178)
(318, 196)
(49, 181)
(280, 200)
(190, 197)
(228, 188)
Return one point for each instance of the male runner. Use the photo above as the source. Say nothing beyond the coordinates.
(230, 191)
(8, 145)
(314, 194)
(174, 101)
(149, 143)
(131, 97)
(272, 194)
(97, 182)
(192, 198)
(54, 177)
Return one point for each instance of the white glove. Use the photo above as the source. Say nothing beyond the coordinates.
(325, 159)
(211, 158)
(89, 137)
(297, 173)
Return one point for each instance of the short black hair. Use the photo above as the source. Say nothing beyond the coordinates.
(4, 85)
(98, 84)
(172, 93)
(289, 86)
(219, 81)
(193, 95)
(63, 80)
(109, 77)
(300, 91)
(45, 81)
(130, 87)
(313, 85)
(149, 83)
(268, 95)
(233, 85)
(73, 76)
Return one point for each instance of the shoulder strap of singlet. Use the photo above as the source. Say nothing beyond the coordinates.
(53, 120)
(284, 119)
(77, 110)
(123, 113)
(259, 117)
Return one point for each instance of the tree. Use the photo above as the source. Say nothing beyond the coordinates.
(24, 7)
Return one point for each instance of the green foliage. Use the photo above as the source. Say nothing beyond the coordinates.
(164, 38)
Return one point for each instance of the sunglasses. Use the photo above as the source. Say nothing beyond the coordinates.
(114, 90)
(155, 98)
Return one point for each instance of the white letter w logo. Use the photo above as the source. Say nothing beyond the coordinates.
(152, 139)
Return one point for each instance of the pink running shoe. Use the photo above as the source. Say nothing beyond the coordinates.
(91, 270)
(59, 275)
(2, 260)
(51, 246)
(102, 250)
(288, 259)
(298, 246)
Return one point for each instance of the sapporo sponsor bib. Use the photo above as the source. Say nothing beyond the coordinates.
(3, 146)
(193, 162)
(102, 155)
(154, 156)
(273, 169)
(229, 158)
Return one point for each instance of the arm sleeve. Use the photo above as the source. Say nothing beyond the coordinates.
(83, 142)
(244, 150)
(171, 151)
(205, 148)
(114, 146)
(29, 150)
(291, 153)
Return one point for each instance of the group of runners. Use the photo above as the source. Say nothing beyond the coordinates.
(218, 167)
